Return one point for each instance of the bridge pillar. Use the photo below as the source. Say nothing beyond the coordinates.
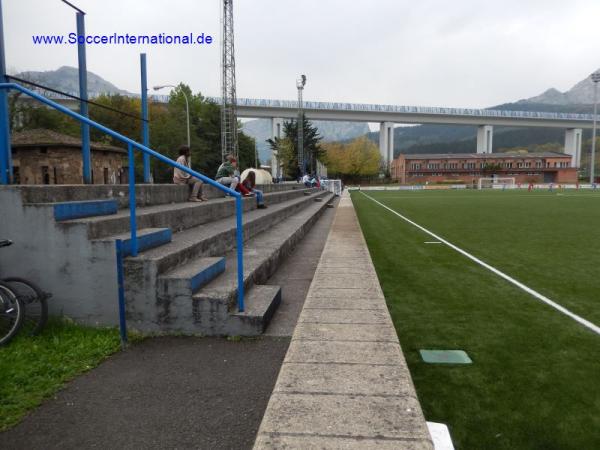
(573, 145)
(276, 132)
(485, 136)
(386, 143)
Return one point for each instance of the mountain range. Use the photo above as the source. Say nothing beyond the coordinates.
(66, 79)
(580, 94)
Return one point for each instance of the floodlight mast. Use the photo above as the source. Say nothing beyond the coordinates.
(595, 78)
(300, 83)
(229, 137)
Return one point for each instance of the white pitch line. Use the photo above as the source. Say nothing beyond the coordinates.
(543, 298)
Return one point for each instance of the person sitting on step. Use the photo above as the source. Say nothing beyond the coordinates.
(228, 175)
(250, 184)
(181, 177)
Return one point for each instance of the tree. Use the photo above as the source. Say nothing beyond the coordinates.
(289, 156)
(357, 159)
(286, 154)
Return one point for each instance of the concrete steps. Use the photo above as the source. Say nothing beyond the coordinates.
(184, 278)
(156, 303)
(217, 237)
(213, 309)
(177, 216)
(145, 194)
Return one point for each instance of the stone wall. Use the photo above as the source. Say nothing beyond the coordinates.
(63, 165)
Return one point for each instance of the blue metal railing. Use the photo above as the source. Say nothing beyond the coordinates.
(131, 147)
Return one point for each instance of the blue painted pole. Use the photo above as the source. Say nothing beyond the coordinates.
(145, 124)
(83, 106)
(5, 150)
(121, 288)
(132, 218)
(240, 250)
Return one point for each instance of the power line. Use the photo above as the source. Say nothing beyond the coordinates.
(75, 97)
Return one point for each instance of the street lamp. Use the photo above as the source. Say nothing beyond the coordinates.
(595, 79)
(187, 106)
(300, 83)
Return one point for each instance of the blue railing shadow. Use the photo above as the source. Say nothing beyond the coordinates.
(133, 145)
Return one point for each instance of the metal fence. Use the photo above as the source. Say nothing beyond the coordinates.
(365, 107)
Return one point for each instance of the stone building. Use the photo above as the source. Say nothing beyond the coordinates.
(46, 157)
(547, 167)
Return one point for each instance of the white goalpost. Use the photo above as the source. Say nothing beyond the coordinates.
(496, 183)
(334, 186)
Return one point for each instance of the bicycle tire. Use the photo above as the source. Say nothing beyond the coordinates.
(12, 313)
(35, 300)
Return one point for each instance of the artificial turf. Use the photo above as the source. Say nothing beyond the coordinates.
(535, 378)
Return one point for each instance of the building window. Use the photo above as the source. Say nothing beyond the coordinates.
(55, 175)
(45, 175)
(17, 174)
(43, 150)
(105, 175)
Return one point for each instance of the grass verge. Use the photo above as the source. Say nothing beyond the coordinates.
(34, 368)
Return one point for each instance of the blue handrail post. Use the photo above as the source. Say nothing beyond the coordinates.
(240, 250)
(145, 124)
(132, 218)
(121, 288)
(5, 150)
(83, 94)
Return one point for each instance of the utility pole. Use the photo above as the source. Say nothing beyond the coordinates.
(595, 79)
(145, 123)
(229, 138)
(300, 83)
(6, 171)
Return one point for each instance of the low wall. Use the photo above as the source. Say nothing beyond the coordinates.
(344, 382)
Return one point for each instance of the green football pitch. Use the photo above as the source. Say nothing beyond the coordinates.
(535, 378)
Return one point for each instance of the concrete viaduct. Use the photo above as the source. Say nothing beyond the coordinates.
(388, 115)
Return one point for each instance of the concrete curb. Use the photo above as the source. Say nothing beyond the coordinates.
(344, 382)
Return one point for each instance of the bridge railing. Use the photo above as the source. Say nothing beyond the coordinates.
(132, 146)
(366, 107)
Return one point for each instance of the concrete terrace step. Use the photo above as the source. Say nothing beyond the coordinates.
(189, 278)
(146, 194)
(177, 216)
(262, 257)
(147, 238)
(78, 209)
(261, 304)
(215, 238)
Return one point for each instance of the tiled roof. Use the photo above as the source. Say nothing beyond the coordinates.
(487, 155)
(49, 138)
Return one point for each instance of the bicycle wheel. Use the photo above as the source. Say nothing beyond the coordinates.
(34, 299)
(12, 312)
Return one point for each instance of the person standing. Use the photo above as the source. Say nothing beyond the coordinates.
(181, 177)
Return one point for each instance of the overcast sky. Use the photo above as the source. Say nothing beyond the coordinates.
(470, 53)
